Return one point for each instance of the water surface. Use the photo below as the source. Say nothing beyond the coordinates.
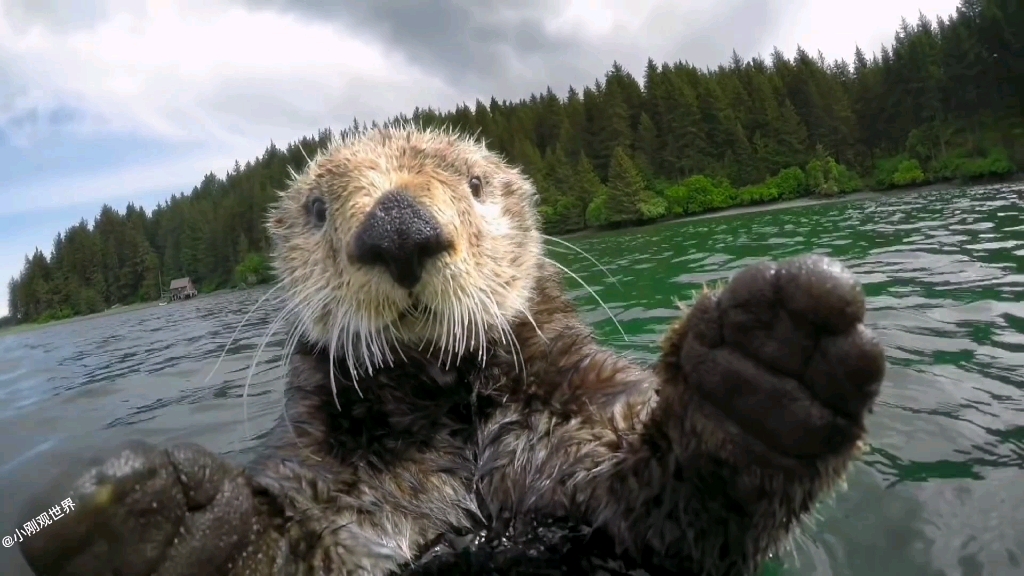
(940, 493)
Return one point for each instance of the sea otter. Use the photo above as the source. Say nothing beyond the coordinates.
(447, 410)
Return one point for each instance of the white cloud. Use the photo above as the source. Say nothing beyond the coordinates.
(836, 28)
(199, 71)
(650, 27)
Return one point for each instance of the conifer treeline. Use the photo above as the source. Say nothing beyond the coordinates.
(942, 102)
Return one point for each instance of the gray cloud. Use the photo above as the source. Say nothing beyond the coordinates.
(65, 15)
(485, 47)
(248, 105)
(466, 41)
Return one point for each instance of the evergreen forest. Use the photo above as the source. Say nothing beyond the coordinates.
(944, 102)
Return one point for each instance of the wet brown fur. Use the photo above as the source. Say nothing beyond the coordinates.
(553, 426)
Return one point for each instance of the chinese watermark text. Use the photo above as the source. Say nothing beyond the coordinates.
(39, 522)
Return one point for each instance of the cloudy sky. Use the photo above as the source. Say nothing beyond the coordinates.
(132, 100)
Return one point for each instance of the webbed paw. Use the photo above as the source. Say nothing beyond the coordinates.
(781, 355)
(145, 510)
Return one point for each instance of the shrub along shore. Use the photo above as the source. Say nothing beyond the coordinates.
(821, 178)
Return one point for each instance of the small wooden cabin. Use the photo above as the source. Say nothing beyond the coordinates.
(183, 288)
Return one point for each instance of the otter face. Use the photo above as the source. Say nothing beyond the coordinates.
(402, 237)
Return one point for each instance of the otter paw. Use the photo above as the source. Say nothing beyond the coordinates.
(145, 510)
(782, 353)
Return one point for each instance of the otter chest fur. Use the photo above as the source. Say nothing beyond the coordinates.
(447, 463)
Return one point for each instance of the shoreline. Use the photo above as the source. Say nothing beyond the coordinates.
(736, 210)
(23, 328)
(794, 203)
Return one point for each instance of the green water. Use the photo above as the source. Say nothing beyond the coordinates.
(940, 494)
(942, 490)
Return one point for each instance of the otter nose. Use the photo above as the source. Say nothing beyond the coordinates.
(398, 234)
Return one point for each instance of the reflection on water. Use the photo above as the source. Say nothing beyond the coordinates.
(940, 493)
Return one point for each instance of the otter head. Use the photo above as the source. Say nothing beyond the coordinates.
(403, 238)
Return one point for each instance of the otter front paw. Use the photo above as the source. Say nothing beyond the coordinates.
(780, 360)
(146, 510)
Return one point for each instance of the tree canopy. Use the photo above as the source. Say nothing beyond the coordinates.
(941, 102)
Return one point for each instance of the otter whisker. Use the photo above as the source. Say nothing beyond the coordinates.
(305, 319)
(592, 293)
(237, 329)
(480, 334)
(438, 326)
(529, 318)
(347, 328)
(351, 332)
(255, 359)
(295, 436)
(800, 537)
(330, 362)
(515, 341)
(370, 349)
(439, 316)
(474, 327)
(394, 342)
(304, 155)
(290, 343)
(504, 328)
(478, 329)
(382, 345)
(363, 362)
(588, 256)
(350, 336)
(445, 324)
(278, 320)
(468, 315)
(454, 345)
(496, 312)
(463, 315)
(282, 362)
(449, 336)
(348, 320)
(364, 353)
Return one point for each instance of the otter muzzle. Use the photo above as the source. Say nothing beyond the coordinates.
(401, 236)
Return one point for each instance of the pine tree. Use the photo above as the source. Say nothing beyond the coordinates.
(625, 188)
(564, 213)
(588, 186)
(646, 147)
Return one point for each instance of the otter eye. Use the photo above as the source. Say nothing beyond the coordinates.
(476, 186)
(318, 210)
